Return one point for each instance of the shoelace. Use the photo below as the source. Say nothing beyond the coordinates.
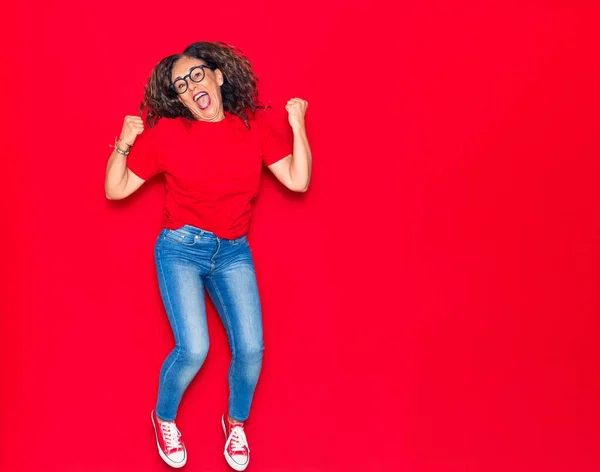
(238, 439)
(171, 435)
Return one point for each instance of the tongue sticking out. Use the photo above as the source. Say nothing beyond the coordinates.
(204, 101)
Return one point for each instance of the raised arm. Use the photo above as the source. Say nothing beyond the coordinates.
(294, 170)
(120, 182)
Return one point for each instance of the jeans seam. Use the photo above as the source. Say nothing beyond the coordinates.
(229, 328)
(162, 276)
(225, 312)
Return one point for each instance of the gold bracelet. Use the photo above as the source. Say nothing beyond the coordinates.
(122, 140)
(117, 140)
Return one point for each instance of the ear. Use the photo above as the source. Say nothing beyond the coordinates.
(219, 77)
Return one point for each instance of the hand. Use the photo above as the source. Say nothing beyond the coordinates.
(296, 108)
(132, 127)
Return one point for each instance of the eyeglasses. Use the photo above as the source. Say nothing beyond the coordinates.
(196, 74)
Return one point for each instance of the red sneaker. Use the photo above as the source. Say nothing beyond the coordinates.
(237, 452)
(168, 440)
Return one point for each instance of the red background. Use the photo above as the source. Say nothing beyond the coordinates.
(430, 304)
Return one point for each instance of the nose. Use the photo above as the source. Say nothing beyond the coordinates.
(192, 86)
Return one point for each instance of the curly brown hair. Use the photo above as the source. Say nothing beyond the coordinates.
(239, 90)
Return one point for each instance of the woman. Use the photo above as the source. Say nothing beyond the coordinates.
(205, 131)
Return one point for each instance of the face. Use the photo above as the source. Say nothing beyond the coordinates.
(202, 98)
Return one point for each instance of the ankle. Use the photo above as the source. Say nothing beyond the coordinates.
(161, 421)
(233, 420)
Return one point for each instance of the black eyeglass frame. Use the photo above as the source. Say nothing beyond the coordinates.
(189, 75)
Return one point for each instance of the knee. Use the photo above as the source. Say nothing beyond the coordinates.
(194, 356)
(249, 354)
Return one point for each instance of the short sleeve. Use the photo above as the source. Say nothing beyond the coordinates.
(145, 158)
(275, 145)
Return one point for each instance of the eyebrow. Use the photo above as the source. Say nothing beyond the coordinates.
(179, 77)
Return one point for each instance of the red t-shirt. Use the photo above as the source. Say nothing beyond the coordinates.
(212, 170)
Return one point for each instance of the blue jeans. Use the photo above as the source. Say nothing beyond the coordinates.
(189, 259)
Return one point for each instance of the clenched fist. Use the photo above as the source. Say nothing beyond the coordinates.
(296, 108)
(132, 127)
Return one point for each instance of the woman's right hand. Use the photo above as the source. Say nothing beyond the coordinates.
(133, 126)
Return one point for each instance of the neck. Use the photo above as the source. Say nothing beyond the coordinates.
(219, 116)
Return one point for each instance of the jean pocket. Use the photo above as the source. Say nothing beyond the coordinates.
(181, 236)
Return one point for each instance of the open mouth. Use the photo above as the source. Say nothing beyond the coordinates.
(202, 99)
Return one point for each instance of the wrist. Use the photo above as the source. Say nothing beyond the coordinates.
(298, 127)
(121, 146)
(124, 144)
(120, 150)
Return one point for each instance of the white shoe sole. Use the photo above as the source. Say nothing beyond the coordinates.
(234, 465)
(175, 465)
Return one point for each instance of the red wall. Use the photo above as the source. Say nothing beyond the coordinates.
(430, 304)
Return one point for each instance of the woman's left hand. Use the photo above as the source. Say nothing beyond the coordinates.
(296, 108)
